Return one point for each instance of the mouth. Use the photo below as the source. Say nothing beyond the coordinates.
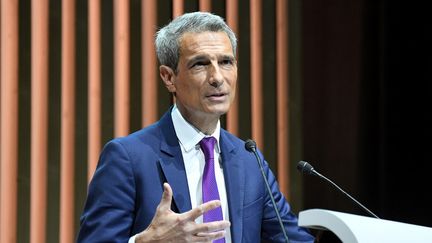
(216, 95)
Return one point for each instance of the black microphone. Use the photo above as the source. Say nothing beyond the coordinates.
(307, 168)
(250, 146)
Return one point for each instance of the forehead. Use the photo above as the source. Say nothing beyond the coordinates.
(205, 43)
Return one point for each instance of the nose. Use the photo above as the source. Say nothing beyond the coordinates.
(216, 78)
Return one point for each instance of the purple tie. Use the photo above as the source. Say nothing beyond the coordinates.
(209, 185)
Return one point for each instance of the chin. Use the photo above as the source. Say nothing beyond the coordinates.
(219, 110)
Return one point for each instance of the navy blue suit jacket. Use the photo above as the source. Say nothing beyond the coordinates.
(128, 184)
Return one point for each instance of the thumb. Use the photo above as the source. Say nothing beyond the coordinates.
(165, 203)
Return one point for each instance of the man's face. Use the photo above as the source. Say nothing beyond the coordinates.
(206, 75)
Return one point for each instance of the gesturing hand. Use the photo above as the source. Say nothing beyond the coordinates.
(168, 226)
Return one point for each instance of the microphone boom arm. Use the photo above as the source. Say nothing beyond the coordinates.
(345, 193)
(305, 167)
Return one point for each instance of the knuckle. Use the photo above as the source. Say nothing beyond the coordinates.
(179, 221)
(201, 210)
(205, 228)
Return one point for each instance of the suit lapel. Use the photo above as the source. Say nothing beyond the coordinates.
(234, 182)
(172, 164)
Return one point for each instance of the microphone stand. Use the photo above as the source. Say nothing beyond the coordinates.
(251, 146)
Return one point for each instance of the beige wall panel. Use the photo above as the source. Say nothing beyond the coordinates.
(149, 63)
(256, 73)
(232, 20)
(121, 68)
(94, 86)
(39, 120)
(9, 122)
(67, 156)
(282, 79)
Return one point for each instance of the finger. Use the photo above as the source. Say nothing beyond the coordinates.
(165, 203)
(201, 209)
(209, 236)
(209, 227)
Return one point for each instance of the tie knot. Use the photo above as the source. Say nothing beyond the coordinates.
(207, 145)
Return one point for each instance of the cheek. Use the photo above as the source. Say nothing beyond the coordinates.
(190, 90)
(231, 76)
(232, 81)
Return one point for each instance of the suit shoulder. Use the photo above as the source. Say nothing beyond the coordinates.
(236, 141)
(148, 136)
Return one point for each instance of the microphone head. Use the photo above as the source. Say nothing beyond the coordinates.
(250, 145)
(305, 167)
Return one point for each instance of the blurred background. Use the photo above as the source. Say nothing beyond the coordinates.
(342, 84)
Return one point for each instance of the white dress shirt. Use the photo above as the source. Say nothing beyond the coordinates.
(194, 161)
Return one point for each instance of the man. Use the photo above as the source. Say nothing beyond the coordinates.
(164, 183)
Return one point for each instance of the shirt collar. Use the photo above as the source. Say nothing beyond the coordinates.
(188, 135)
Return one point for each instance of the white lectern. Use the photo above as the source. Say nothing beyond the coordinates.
(352, 228)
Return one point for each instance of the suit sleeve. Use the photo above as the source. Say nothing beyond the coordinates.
(271, 230)
(108, 214)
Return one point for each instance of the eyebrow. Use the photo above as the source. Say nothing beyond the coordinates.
(229, 57)
(198, 58)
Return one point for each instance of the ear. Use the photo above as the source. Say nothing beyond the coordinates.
(168, 77)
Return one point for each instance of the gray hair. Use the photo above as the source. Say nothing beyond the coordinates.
(168, 38)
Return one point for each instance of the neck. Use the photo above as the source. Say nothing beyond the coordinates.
(205, 123)
(206, 126)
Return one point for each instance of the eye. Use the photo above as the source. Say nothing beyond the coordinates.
(199, 64)
(227, 63)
